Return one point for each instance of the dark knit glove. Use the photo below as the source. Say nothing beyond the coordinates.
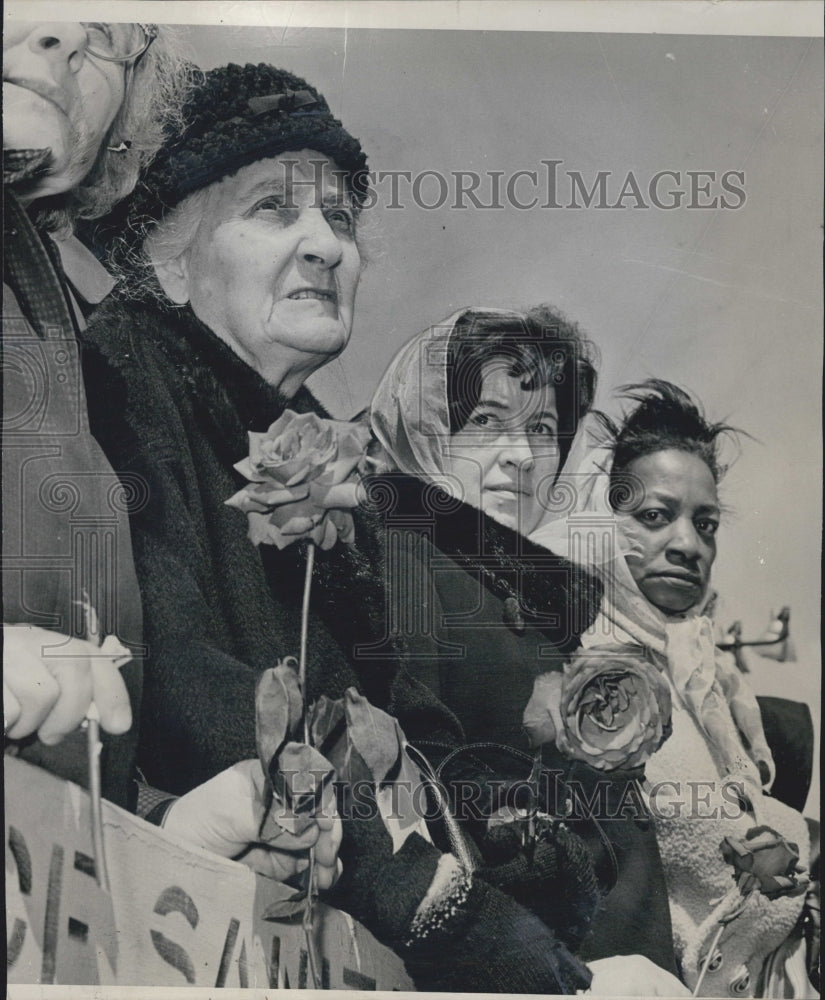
(467, 937)
(481, 940)
(379, 888)
(556, 880)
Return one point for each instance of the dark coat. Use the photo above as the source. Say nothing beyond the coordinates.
(65, 528)
(789, 730)
(483, 611)
(218, 610)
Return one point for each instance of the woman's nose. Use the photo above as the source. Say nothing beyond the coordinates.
(319, 244)
(684, 539)
(60, 43)
(514, 449)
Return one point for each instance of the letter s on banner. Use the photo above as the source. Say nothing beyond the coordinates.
(173, 899)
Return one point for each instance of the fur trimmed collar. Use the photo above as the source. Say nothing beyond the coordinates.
(208, 367)
(538, 588)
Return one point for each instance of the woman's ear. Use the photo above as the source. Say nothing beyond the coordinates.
(173, 276)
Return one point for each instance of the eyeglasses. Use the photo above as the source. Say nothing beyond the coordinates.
(114, 43)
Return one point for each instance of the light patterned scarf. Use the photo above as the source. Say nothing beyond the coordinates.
(706, 679)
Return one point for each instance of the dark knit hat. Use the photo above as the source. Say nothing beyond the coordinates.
(236, 116)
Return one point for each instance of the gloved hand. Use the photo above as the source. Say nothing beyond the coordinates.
(633, 976)
(380, 888)
(224, 815)
(454, 931)
(555, 880)
(50, 680)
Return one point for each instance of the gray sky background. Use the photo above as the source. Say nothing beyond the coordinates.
(725, 302)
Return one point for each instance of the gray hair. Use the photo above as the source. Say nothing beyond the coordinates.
(150, 112)
(176, 232)
(149, 242)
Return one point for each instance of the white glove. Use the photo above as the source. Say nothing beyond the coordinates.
(48, 690)
(224, 815)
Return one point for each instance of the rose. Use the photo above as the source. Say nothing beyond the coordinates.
(302, 480)
(764, 860)
(610, 708)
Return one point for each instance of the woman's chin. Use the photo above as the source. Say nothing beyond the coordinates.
(673, 604)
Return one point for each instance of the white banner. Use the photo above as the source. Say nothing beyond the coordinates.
(174, 917)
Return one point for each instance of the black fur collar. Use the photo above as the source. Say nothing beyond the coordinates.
(220, 383)
(538, 588)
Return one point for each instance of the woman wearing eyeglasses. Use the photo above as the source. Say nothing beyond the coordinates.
(85, 106)
(99, 98)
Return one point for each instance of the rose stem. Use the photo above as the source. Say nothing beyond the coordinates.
(532, 811)
(93, 747)
(302, 681)
(302, 663)
(307, 922)
(708, 958)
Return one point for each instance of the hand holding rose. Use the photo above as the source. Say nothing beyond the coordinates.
(225, 814)
(50, 680)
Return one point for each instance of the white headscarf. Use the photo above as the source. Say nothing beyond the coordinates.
(409, 411)
(706, 679)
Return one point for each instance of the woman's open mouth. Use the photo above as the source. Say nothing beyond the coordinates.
(323, 295)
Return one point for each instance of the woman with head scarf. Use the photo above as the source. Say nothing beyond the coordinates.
(477, 415)
(483, 408)
(707, 784)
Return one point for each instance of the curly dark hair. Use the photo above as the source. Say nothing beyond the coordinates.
(666, 417)
(545, 348)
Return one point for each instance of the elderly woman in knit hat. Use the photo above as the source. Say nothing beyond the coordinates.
(243, 233)
(251, 263)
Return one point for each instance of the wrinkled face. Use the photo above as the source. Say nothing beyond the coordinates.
(57, 95)
(673, 527)
(274, 266)
(507, 454)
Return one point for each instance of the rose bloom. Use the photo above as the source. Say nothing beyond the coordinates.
(610, 708)
(303, 480)
(764, 860)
